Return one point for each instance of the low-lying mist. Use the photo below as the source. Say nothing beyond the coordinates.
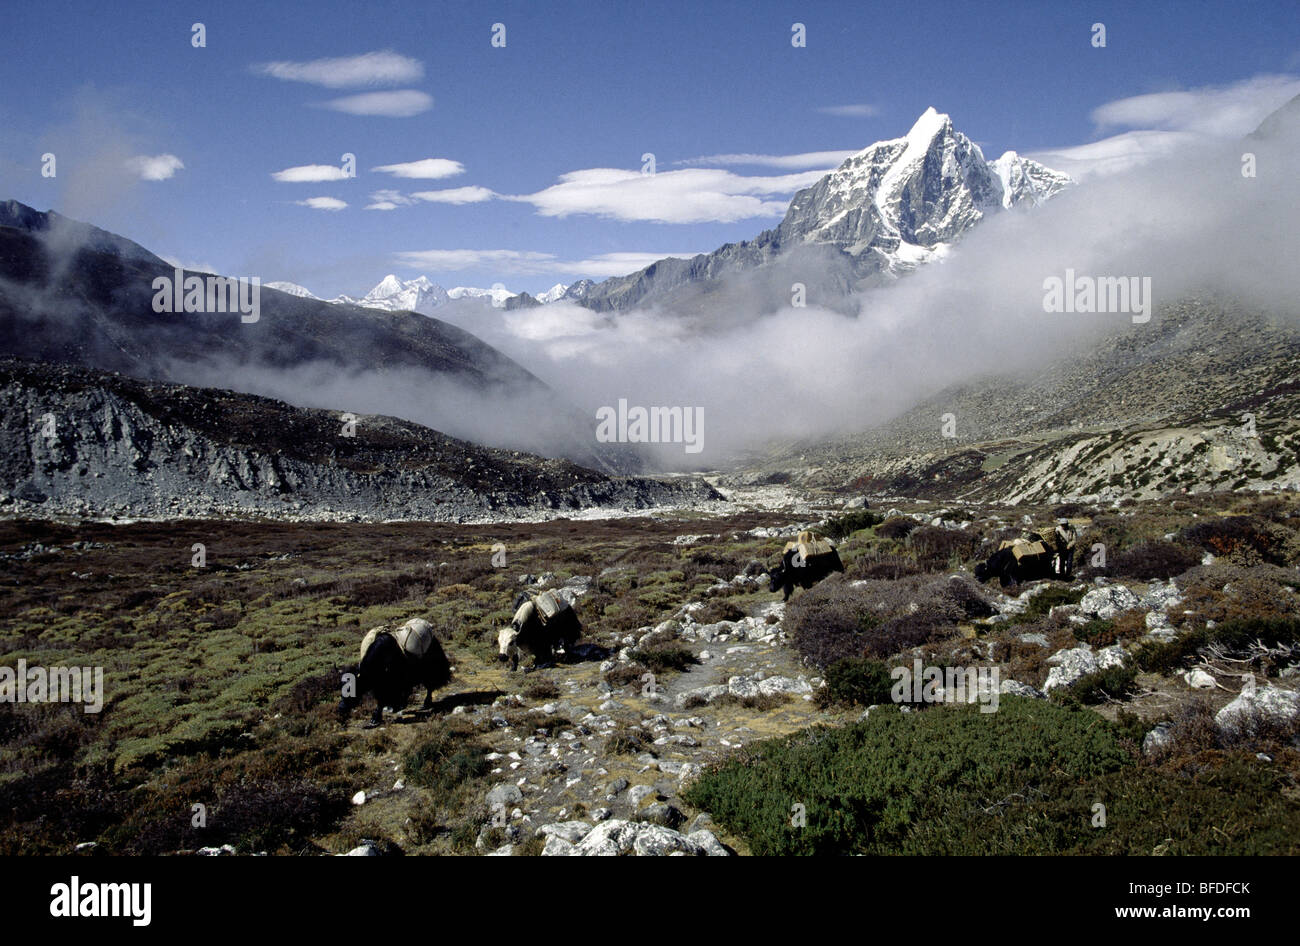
(759, 369)
(1191, 224)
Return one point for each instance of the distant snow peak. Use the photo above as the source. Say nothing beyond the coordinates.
(498, 293)
(553, 294)
(395, 295)
(291, 288)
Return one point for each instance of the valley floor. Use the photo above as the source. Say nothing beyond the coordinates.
(674, 725)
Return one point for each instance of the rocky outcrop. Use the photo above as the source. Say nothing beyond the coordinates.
(84, 443)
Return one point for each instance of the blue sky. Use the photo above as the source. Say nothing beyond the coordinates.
(578, 94)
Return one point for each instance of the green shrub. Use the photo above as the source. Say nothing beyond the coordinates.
(1041, 604)
(445, 759)
(856, 681)
(1023, 780)
(1112, 683)
(845, 524)
(890, 783)
(1231, 636)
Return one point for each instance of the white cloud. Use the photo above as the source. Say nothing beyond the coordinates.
(310, 174)
(190, 267)
(322, 203)
(387, 199)
(506, 260)
(456, 195)
(377, 68)
(1116, 154)
(427, 169)
(827, 160)
(1165, 123)
(613, 264)
(850, 111)
(402, 103)
(693, 195)
(1218, 111)
(521, 262)
(155, 167)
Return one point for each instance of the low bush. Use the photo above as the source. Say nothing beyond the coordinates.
(1244, 539)
(896, 527)
(886, 785)
(666, 658)
(1113, 683)
(856, 681)
(1156, 559)
(1233, 638)
(445, 758)
(847, 523)
(936, 548)
(1023, 780)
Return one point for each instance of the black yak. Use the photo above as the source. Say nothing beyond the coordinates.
(804, 563)
(541, 623)
(1046, 555)
(392, 663)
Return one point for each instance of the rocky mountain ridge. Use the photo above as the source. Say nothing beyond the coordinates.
(75, 442)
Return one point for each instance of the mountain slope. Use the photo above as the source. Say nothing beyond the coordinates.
(90, 303)
(117, 446)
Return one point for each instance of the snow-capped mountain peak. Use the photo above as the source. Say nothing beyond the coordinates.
(498, 294)
(1026, 182)
(291, 288)
(390, 285)
(554, 293)
(909, 198)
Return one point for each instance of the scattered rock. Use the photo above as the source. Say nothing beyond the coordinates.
(1016, 688)
(662, 813)
(1108, 602)
(504, 795)
(1069, 666)
(1157, 739)
(571, 831)
(1268, 701)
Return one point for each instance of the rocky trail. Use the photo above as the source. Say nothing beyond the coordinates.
(597, 769)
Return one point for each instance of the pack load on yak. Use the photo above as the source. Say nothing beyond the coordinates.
(414, 638)
(393, 661)
(542, 622)
(1046, 553)
(810, 545)
(804, 562)
(548, 605)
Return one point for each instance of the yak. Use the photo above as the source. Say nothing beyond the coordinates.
(392, 663)
(539, 637)
(1016, 562)
(802, 570)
